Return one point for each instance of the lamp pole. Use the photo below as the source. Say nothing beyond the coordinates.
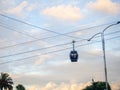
(103, 49)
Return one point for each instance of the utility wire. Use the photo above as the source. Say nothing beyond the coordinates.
(17, 31)
(109, 33)
(25, 43)
(56, 51)
(49, 37)
(87, 28)
(34, 26)
(48, 47)
(35, 50)
(65, 34)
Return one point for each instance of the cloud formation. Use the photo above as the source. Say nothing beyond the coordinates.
(61, 86)
(24, 7)
(42, 59)
(105, 6)
(63, 12)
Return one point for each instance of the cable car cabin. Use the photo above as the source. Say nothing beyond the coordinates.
(73, 56)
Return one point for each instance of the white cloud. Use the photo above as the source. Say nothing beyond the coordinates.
(18, 9)
(21, 10)
(105, 6)
(95, 52)
(115, 86)
(63, 12)
(16, 76)
(31, 7)
(42, 59)
(78, 33)
(61, 86)
(5, 4)
(67, 86)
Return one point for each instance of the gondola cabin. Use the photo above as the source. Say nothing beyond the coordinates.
(73, 54)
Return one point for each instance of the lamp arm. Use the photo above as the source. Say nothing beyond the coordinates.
(94, 36)
(110, 26)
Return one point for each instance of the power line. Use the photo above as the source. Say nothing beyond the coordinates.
(110, 33)
(50, 37)
(56, 51)
(45, 48)
(65, 34)
(25, 42)
(49, 47)
(24, 34)
(35, 50)
(17, 31)
(87, 28)
(34, 26)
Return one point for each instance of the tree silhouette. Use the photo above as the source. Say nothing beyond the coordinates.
(97, 86)
(6, 82)
(20, 87)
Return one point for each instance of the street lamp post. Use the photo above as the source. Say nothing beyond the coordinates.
(103, 48)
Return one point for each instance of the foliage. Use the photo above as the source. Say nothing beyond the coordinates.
(20, 87)
(6, 82)
(97, 86)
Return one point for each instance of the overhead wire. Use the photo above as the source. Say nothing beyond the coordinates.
(35, 26)
(49, 37)
(55, 51)
(65, 34)
(87, 28)
(49, 47)
(18, 31)
(56, 33)
(47, 29)
(35, 50)
(39, 28)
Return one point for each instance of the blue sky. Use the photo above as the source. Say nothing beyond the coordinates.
(54, 71)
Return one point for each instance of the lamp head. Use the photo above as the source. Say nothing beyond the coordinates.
(73, 41)
(118, 22)
(89, 39)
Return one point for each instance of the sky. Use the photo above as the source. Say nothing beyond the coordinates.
(36, 39)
